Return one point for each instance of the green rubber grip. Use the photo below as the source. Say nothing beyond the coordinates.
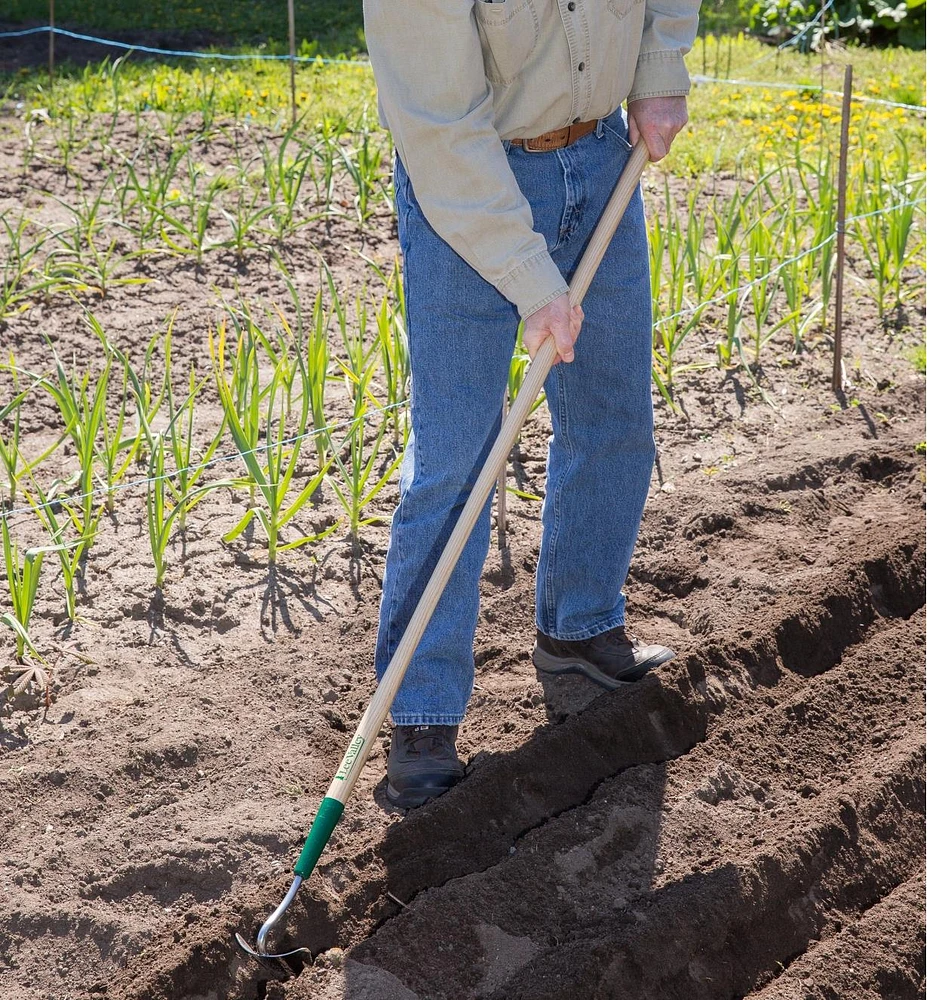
(326, 819)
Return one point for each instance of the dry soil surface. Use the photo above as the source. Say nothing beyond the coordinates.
(748, 821)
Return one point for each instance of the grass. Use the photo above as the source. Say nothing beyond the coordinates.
(918, 358)
(252, 91)
(327, 25)
(732, 124)
(323, 26)
(727, 121)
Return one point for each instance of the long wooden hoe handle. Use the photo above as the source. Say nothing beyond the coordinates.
(332, 806)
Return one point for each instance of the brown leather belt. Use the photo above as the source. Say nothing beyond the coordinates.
(556, 139)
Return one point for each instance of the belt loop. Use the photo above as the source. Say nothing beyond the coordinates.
(599, 128)
(506, 144)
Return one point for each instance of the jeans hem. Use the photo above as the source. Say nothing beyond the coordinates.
(588, 633)
(412, 719)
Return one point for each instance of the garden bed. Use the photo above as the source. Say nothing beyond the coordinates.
(733, 825)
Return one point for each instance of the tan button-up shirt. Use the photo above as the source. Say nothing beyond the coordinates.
(456, 77)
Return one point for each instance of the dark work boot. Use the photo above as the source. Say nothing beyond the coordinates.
(609, 660)
(422, 764)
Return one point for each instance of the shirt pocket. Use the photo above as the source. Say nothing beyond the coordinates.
(509, 32)
(621, 8)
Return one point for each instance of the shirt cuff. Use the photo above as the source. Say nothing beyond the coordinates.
(533, 284)
(661, 73)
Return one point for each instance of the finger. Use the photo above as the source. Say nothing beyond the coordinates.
(633, 131)
(534, 350)
(656, 145)
(576, 317)
(564, 341)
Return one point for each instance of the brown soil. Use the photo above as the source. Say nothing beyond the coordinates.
(746, 822)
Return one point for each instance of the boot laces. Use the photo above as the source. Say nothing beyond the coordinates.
(426, 740)
(619, 636)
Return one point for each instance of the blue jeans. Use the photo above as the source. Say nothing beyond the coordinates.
(461, 339)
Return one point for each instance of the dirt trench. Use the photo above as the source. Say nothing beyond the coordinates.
(696, 877)
(157, 807)
(696, 835)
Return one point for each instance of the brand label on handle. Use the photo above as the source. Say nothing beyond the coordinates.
(350, 758)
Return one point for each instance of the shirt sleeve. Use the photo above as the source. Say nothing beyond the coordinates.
(437, 103)
(670, 27)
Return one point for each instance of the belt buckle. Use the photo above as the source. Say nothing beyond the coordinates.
(559, 138)
(532, 149)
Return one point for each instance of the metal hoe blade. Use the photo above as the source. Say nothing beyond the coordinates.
(262, 952)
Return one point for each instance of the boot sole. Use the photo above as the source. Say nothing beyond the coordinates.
(412, 798)
(551, 665)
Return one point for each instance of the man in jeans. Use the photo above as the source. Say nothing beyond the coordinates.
(509, 132)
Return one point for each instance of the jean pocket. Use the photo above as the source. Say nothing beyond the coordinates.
(616, 127)
(509, 31)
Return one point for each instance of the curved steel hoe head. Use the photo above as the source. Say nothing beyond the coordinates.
(245, 947)
(263, 954)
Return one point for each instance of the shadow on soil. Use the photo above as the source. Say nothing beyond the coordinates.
(475, 826)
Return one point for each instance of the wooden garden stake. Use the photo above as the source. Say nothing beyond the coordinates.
(51, 42)
(837, 380)
(291, 14)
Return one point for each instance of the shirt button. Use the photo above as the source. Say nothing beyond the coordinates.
(571, 5)
(581, 67)
(576, 121)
